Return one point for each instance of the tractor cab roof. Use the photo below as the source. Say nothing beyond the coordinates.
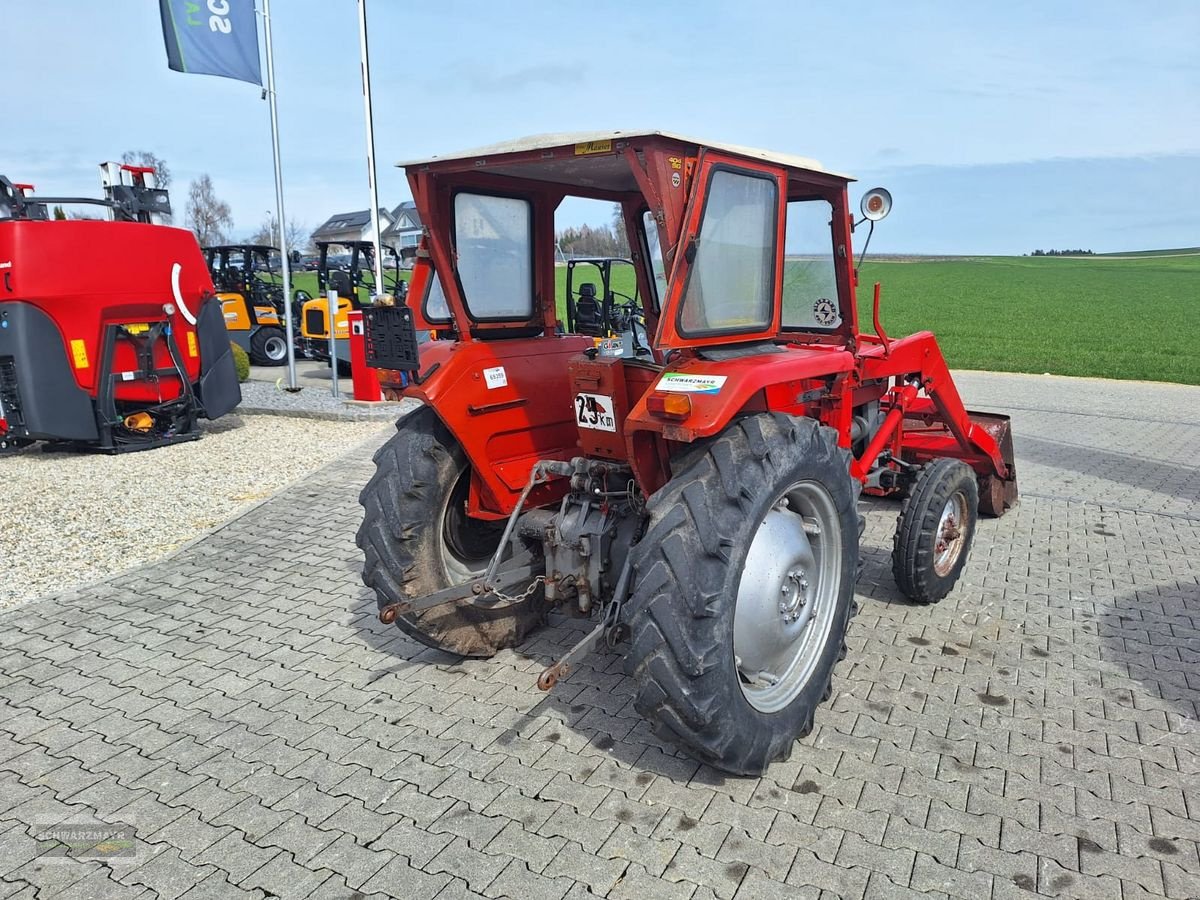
(594, 158)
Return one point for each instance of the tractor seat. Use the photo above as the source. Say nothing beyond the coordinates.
(340, 282)
(589, 318)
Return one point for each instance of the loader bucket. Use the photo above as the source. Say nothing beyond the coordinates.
(997, 495)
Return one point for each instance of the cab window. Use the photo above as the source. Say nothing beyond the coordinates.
(654, 249)
(730, 284)
(493, 237)
(436, 307)
(810, 294)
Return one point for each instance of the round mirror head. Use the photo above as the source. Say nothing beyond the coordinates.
(876, 203)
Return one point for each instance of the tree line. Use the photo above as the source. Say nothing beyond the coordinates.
(1062, 253)
(595, 240)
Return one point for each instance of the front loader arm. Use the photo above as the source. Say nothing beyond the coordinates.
(917, 363)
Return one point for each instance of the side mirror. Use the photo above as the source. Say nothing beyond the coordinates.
(876, 204)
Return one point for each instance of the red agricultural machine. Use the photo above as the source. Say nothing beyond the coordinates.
(111, 337)
(698, 500)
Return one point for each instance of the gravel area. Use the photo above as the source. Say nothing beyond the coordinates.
(73, 518)
(314, 402)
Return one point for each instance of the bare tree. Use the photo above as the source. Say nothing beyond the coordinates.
(298, 235)
(618, 229)
(207, 215)
(148, 158)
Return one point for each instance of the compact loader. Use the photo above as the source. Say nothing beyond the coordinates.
(251, 295)
(352, 277)
(699, 502)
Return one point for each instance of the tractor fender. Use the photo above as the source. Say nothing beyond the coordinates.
(720, 389)
(507, 404)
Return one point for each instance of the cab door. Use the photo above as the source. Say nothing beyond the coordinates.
(725, 284)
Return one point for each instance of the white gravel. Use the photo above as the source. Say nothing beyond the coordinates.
(68, 519)
(259, 396)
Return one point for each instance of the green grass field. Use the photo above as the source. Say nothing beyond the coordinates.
(1130, 318)
(1110, 318)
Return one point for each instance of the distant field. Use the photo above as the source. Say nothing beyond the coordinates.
(1110, 318)
(1178, 251)
(1130, 318)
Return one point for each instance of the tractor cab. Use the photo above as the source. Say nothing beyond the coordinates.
(602, 302)
(699, 501)
(251, 293)
(348, 268)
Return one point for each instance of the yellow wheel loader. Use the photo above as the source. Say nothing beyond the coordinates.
(251, 295)
(347, 267)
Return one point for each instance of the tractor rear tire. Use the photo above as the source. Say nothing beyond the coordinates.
(418, 539)
(718, 585)
(268, 346)
(935, 529)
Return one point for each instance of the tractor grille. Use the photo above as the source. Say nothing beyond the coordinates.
(314, 321)
(10, 397)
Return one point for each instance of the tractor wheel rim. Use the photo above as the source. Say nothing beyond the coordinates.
(464, 552)
(787, 596)
(951, 534)
(275, 348)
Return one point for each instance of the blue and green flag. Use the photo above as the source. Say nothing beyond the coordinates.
(212, 37)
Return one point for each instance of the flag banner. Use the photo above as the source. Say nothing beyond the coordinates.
(212, 37)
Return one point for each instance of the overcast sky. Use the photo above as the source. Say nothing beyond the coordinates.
(998, 127)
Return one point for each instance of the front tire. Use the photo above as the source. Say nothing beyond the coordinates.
(934, 530)
(743, 587)
(268, 346)
(417, 539)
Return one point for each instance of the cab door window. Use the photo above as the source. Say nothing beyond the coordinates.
(493, 238)
(810, 293)
(730, 284)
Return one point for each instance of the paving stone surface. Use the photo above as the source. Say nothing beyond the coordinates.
(1035, 734)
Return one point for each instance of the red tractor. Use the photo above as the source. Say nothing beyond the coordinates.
(699, 500)
(111, 336)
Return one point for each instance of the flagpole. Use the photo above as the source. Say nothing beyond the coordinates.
(286, 263)
(366, 82)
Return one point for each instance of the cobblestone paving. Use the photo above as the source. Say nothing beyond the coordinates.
(1033, 735)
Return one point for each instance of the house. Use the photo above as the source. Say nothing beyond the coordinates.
(353, 226)
(405, 231)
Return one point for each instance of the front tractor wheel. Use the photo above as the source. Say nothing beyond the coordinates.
(743, 589)
(268, 346)
(417, 539)
(934, 530)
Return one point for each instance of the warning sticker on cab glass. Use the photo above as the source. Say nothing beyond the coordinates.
(682, 383)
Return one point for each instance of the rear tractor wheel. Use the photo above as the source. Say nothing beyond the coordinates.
(417, 539)
(743, 588)
(935, 529)
(268, 346)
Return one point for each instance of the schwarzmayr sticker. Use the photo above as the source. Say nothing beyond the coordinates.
(680, 383)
